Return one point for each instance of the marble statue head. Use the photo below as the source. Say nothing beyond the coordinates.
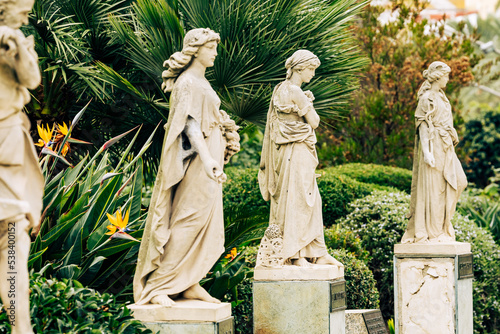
(14, 13)
(437, 71)
(300, 60)
(179, 61)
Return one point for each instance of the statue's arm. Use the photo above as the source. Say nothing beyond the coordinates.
(19, 53)
(193, 131)
(424, 119)
(27, 69)
(304, 102)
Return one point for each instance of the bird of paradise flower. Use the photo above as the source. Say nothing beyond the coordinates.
(232, 254)
(118, 228)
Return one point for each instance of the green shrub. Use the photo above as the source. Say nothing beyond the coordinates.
(481, 144)
(337, 237)
(66, 306)
(396, 177)
(379, 220)
(361, 290)
(337, 191)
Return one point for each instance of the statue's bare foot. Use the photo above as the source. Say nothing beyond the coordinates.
(197, 292)
(162, 300)
(301, 262)
(330, 260)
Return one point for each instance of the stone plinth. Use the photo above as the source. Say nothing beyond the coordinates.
(186, 317)
(364, 322)
(299, 306)
(296, 273)
(433, 288)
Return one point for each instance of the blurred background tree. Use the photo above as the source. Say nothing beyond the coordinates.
(379, 127)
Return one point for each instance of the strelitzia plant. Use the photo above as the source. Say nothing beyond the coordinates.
(118, 228)
(77, 206)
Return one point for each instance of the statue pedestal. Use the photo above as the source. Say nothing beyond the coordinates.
(433, 288)
(364, 322)
(299, 300)
(187, 316)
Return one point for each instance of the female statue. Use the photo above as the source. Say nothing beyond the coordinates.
(438, 177)
(21, 180)
(184, 234)
(287, 172)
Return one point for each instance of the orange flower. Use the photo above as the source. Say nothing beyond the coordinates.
(232, 254)
(45, 136)
(118, 228)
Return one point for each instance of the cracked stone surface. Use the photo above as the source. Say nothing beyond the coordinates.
(426, 289)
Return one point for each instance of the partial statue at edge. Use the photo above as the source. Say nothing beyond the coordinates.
(184, 233)
(287, 175)
(438, 177)
(21, 180)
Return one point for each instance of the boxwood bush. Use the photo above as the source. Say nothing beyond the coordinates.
(65, 306)
(388, 176)
(379, 220)
(337, 191)
(361, 290)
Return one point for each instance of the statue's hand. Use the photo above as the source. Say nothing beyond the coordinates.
(214, 171)
(429, 159)
(309, 95)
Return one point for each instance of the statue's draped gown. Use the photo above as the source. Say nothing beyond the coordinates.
(21, 179)
(435, 190)
(287, 176)
(184, 233)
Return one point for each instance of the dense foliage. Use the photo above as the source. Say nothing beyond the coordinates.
(379, 220)
(380, 127)
(395, 177)
(66, 306)
(482, 146)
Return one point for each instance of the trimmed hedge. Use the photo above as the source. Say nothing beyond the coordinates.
(379, 220)
(66, 306)
(337, 191)
(337, 237)
(361, 289)
(387, 176)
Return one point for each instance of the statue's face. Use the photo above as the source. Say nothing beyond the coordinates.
(206, 54)
(307, 74)
(443, 81)
(17, 13)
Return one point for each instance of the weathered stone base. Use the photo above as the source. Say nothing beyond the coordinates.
(187, 316)
(313, 307)
(183, 310)
(364, 322)
(316, 272)
(433, 289)
(178, 327)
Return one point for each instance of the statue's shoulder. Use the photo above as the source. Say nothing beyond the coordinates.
(428, 96)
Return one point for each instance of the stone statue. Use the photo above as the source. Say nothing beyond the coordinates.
(21, 180)
(287, 175)
(184, 234)
(438, 177)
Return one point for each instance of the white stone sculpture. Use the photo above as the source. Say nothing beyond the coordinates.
(287, 174)
(438, 177)
(184, 234)
(21, 180)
